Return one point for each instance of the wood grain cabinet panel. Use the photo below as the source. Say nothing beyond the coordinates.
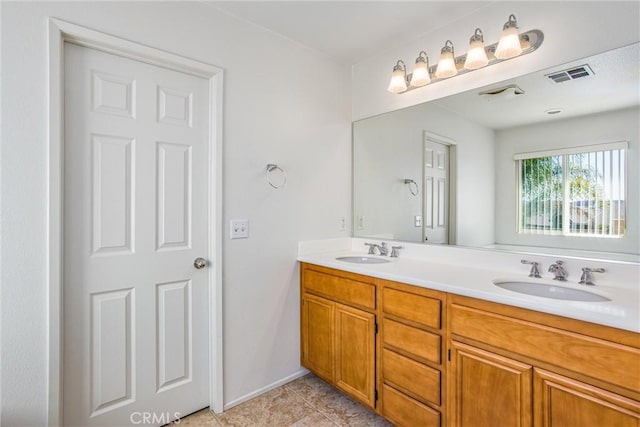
(355, 353)
(404, 411)
(318, 332)
(488, 389)
(563, 402)
(414, 341)
(416, 308)
(342, 289)
(421, 381)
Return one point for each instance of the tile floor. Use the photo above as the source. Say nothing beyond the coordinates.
(305, 402)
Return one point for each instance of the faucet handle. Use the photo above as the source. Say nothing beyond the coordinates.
(535, 270)
(394, 251)
(586, 278)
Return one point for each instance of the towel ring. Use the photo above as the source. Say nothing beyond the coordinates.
(272, 167)
(412, 184)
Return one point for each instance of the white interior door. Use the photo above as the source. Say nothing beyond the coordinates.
(135, 218)
(436, 193)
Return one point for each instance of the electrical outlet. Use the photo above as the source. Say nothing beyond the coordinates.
(361, 222)
(417, 221)
(239, 228)
(342, 224)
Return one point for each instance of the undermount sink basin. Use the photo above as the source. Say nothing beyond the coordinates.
(363, 259)
(550, 291)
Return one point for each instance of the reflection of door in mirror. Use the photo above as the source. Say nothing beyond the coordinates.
(436, 194)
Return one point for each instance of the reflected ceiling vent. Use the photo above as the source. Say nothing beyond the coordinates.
(571, 74)
(505, 92)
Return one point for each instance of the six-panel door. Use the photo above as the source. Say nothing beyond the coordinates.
(135, 208)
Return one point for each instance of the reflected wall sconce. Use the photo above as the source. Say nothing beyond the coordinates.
(511, 45)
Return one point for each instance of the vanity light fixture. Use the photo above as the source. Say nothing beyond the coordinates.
(476, 55)
(510, 45)
(398, 83)
(421, 75)
(447, 64)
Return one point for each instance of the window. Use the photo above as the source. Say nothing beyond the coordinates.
(574, 192)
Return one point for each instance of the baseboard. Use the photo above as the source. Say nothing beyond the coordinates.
(301, 373)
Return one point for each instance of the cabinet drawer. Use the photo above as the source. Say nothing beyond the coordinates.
(340, 288)
(415, 341)
(610, 362)
(405, 411)
(416, 378)
(416, 308)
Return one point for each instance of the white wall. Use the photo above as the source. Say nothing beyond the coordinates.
(572, 30)
(283, 103)
(621, 125)
(388, 148)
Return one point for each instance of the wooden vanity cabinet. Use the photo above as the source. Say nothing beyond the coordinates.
(542, 371)
(338, 329)
(411, 356)
(448, 360)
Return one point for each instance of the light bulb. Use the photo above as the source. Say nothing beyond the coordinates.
(509, 44)
(398, 81)
(476, 55)
(446, 64)
(420, 75)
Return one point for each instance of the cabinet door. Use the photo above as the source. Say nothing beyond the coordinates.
(488, 389)
(355, 353)
(317, 335)
(562, 402)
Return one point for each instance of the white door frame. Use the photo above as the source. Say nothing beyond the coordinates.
(59, 32)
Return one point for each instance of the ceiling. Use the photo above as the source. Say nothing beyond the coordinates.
(613, 85)
(350, 31)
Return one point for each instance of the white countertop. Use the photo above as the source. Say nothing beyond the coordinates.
(623, 311)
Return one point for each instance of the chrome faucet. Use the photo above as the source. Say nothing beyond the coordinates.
(382, 248)
(384, 251)
(560, 272)
(586, 278)
(535, 270)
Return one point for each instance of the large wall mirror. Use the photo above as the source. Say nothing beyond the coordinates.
(547, 162)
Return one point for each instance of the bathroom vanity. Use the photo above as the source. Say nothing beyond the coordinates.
(422, 352)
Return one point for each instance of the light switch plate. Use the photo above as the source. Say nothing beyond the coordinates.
(239, 229)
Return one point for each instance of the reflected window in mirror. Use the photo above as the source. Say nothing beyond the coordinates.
(573, 193)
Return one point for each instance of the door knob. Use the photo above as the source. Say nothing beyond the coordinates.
(200, 263)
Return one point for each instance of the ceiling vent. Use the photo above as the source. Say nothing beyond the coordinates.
(573, 73)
